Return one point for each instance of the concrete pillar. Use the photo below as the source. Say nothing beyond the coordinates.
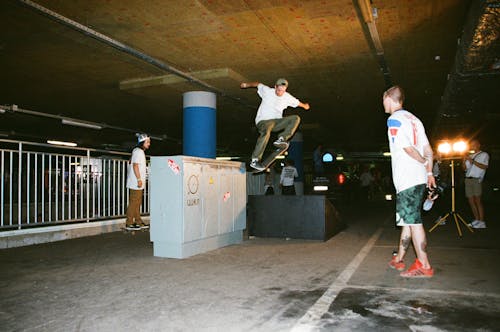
(296, 153)
(199, 124)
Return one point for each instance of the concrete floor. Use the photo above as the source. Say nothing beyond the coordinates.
(112, 282)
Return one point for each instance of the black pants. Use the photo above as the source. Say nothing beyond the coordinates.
(288, 190)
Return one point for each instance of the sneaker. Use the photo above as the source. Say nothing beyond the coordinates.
(479, 224)
(280, 143)
(473, 224)
(400, 266)
(133, 227)
(416, 270)
(256, 165)
(144, 226)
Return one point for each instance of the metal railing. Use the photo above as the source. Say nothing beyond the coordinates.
(43, 185)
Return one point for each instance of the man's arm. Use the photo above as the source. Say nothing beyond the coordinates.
(245, 85)
(426, 160)
(135, 167)
(304, 105)
(475, 162)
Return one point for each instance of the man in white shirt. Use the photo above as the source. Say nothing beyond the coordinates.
(475, 168)
(287, 178)
(270, 117)
(411, 158)
(136, 180)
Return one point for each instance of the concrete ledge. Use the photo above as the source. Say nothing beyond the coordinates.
(31, 236)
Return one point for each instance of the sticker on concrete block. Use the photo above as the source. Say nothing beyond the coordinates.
(227, 195)
(174, 167)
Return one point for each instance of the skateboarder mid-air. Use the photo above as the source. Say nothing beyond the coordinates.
(270, 117)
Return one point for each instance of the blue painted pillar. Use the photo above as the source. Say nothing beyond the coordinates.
(199, 124)
(296, 153)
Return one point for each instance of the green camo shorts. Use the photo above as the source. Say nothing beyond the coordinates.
(409, 206)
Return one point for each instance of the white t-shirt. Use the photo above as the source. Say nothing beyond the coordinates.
(472, 170)
(138, 157)
(272, 106)
(288, 174)
(404, 130)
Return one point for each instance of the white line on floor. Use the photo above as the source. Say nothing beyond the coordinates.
(306, 322)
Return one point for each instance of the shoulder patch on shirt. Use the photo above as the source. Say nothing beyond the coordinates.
(393, 125)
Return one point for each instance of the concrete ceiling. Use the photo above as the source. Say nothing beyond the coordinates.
(336, 56)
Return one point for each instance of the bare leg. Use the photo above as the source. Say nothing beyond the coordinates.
(420, 244)
(404, 242)
(479, 207)
(473, 207)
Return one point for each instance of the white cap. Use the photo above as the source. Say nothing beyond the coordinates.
(142, 137)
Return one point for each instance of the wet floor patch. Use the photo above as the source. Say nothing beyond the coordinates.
(357, 309)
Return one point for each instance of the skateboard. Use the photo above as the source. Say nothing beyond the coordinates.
(133, 231)
(269, 160)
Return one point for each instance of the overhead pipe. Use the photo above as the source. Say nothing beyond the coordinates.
(365, 13)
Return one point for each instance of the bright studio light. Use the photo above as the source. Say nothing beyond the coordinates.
(456, 147)
(460, 146)
(444, 148)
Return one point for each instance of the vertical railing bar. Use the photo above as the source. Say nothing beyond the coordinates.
(88, 183)
(114, 187)
(75, 188)
(103, 189)
(36, 185)
(28, 156)
(124, 185)
(118, 188)
(63, 188)
(57, 187)
(70, 186)
(11, 202)
(19, 184)
(82, 191)
(99, 185)
(109, 188)
(43, 187)
(2, 175)
(93, 193)
(50, 187)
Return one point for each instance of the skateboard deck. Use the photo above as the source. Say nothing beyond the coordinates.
(269, 160)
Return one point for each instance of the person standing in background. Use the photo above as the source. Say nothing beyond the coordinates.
(475, 166)
(287, 179)
(136, 180)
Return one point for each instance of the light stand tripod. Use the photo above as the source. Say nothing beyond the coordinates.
(453, 213)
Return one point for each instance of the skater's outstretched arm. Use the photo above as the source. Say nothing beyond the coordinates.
(245, 85)
(304, 105)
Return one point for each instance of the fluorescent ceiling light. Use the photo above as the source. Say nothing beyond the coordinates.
(61, 143)
(81, 124)
(320, 188)
(386, 154)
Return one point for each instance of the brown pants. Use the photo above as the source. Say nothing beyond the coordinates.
(134, 207)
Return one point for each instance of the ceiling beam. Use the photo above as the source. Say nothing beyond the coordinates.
(208, 74)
